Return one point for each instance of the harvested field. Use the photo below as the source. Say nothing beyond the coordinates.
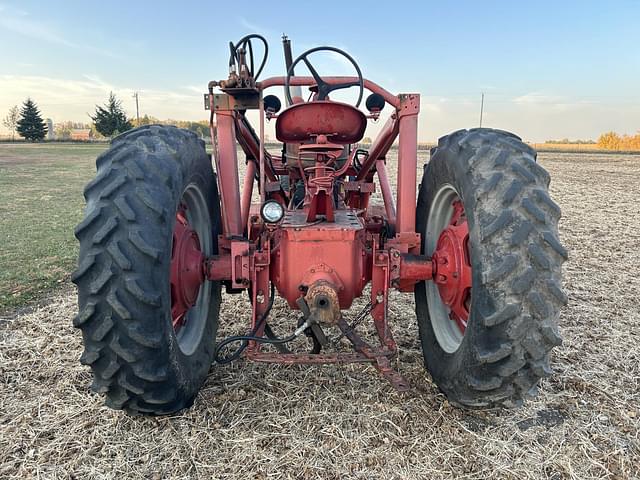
(269, 422)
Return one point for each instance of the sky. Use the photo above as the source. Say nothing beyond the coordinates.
(548, 69)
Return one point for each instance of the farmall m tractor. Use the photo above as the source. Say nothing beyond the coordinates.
(167, 227)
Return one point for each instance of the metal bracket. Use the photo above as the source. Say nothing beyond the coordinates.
(240, 264)
(224, 102)
(409, 104)
(405, 241)
(394, 266)
(364, 187)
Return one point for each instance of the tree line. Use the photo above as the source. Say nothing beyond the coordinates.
(108, 121)
(613, 141)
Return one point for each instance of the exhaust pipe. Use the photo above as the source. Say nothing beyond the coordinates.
(288, 60)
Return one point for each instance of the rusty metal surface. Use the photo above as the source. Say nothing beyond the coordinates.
(241, 271)
(332, 251)
(365, 187)
(340, 122)
(378, 355)
(307, 358)
(334, 245)
(323, 302)
(222, 101)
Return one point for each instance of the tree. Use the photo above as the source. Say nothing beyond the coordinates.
(11, 120)
(31, 126)
(62, 130)
(610, 141)
(111, 119)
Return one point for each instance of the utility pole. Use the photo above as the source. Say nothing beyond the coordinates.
(135, 95)
(481, 108)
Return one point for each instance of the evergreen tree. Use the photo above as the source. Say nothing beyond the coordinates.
(111, 120)
(31, 126)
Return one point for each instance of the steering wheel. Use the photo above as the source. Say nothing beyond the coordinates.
(323, 87)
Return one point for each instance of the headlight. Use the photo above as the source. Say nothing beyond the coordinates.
(272, 211)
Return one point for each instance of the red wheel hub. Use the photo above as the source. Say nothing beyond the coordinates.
(187, 272)
(452, 267)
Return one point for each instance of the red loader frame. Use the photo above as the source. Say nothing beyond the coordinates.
(321, 253)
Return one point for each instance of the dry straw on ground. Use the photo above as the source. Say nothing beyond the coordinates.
(270, 422)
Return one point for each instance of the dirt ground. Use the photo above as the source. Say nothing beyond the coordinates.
(271, 422)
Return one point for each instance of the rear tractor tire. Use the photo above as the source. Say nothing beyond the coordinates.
(153, 199)
(489, 321)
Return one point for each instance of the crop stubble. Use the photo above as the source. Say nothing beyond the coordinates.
(262, 421)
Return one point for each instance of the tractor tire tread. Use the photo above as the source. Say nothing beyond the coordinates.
(516, 231)
(119, 303)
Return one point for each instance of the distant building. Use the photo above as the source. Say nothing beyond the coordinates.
(80, 134)
(50, 134)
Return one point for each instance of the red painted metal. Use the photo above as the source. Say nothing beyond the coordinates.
(416, 268)
(218, 267)
(380, 145)
(251, 145)
(387, 195)
(389, 97)
(186, 269)
(247, 191)
(263, 190)
(241, 264)
(227, 169)
(306, 359)
(452, 264)
(407, 163)
(331, 244)
(340, 122)
(334, 252)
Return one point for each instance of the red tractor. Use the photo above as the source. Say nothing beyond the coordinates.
(165, 230)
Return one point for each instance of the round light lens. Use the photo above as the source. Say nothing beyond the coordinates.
(272, 211)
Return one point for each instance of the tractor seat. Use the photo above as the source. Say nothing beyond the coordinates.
(342, 123)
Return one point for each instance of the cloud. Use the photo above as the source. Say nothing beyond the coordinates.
(21, 22)
(73, 99)
(195, 89)
(537, 98)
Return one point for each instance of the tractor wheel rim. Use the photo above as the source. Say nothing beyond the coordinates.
(449, 294)
(191, 243)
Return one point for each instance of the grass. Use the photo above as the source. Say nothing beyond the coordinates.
(40, 203)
